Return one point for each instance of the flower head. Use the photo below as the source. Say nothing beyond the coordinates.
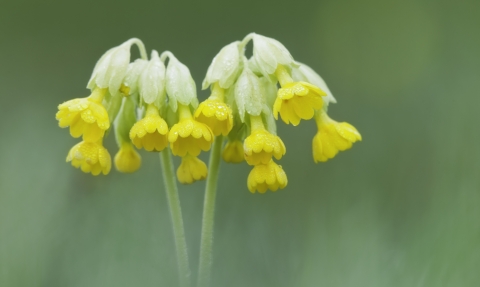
(90, 157)
(266, 176)
(189, 136)
(127, 160)
(150, 132)
(233, 152)
(215, 113)
(261, 145)
(332, 137)
(85, 116)
(191, 169)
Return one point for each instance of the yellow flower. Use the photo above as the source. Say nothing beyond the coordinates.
(215, 113)
(261, 145)
(191, 169)
(127, 160)
(85, 116)
(233, 152)
(189, 136)
(332, 137)
(150, 132)
(296, 100)
(266, 176)
(90, 157)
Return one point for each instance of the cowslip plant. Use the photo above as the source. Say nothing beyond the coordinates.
(151, 103)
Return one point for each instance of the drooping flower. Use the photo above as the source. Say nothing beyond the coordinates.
(127, 160)
(189, 136)
(191, 169)
(233, 152)
(150, 132)
(332, 137)
(86, 117)
(215, 113)
(296, 100)
(266, 176)
(260, 146)
(90, 157)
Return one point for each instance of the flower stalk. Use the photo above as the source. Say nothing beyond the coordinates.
(177, 220)
(205, 263)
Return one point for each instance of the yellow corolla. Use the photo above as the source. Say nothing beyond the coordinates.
(85, 116)
(332, 137)
(233, 152)
(189, 136)
(90, 157)
(127, 160)
(266, 176)
(191, 169)
(296, 100)
(217, 115)
(150, 132)
(261, 145)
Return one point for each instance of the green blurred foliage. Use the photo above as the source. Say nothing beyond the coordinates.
(399, 209)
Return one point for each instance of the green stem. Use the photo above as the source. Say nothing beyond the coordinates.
(176, 214)
(204, 268)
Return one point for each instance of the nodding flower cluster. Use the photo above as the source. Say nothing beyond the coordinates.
(153, 105)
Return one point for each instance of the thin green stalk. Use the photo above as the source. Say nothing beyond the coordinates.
(205, 265)
(176, 214)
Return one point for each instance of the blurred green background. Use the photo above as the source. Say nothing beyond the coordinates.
(399, 209)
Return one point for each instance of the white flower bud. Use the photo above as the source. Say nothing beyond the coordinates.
(151, 84)
(224, 68)
(307, 74)
(111, 69)
(180, 85)
(134, 71)
(249, 94)
(268, 53)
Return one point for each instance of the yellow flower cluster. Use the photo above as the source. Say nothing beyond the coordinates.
(301, 95)
(87, 117)
(154, 107)
(121, 90)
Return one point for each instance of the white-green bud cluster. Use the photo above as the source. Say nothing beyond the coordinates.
(252, 80)
(110, 70)
(145, 82)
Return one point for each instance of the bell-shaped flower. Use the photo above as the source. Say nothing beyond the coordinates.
(265, 177)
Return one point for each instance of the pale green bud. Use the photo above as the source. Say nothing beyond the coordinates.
(134, 71)
(151, 83)
(224, 68)
(125, 121)
(268, 53)
(249, 95)
(307, 74)
(270, 90)
(181, 87)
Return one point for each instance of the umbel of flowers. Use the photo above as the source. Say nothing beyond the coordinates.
(151, 106)
(260, 89)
